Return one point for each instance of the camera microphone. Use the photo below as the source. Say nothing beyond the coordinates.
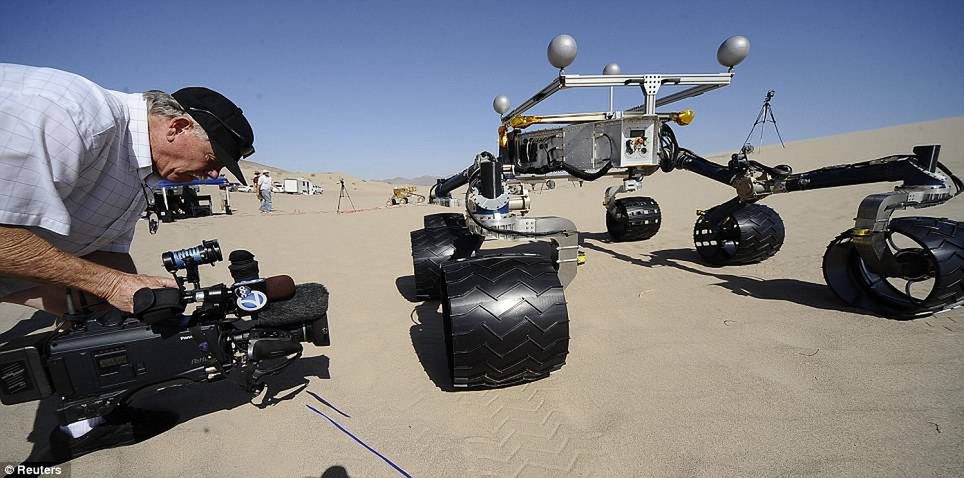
(254, 295)
(279, 288)
(305, 314)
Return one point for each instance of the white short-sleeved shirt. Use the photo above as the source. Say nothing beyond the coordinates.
(74, 158)
(264, 183)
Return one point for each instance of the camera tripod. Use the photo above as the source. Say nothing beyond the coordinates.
(343, 192)
(765, 116)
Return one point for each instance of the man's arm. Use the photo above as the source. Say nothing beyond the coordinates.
(27, 256)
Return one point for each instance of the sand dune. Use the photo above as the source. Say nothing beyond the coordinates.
(675, 368)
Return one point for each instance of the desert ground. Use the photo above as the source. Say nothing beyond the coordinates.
(675, 368)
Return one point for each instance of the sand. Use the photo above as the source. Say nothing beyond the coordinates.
(675, 368)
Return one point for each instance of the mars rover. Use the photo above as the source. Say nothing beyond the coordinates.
(504, 314)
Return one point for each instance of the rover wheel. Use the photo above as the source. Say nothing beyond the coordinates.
(633, 219)
(752, 233)
(445, 219)
(433, 247)
(931, 251)
(505, 320)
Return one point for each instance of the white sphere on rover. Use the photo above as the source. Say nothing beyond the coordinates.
(501, 104)
(733, 51)
(612, 69)
(562, 51)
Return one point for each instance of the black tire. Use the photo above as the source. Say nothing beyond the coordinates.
(633, 219)
(445, 219)
(433, 247)
(941, 248)
(505, 321)
(752, 233)
(550, 184)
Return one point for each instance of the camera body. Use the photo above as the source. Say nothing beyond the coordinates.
(97, 360)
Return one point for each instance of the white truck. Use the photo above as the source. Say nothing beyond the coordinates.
(298, 186)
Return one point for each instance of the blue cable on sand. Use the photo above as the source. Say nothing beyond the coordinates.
(399, 469)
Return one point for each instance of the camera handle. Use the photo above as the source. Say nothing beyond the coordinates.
(191, 274)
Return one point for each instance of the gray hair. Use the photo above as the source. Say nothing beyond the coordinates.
(162, 104)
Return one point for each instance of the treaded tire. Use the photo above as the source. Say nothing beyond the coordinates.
(750, 234)
(633, 219)
(433, 247)
(853, 283)
(505, 321)
(445, 219)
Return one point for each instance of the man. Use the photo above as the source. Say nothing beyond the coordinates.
(77, 163)
(264, 186)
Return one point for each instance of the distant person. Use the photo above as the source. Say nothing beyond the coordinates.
(264, 187)
(256, 182)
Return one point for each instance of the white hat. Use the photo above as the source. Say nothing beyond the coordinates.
(264, 172)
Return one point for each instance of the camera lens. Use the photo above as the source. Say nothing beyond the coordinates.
(315, 332)
(208, 252)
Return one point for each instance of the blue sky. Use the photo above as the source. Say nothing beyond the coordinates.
(405, 88)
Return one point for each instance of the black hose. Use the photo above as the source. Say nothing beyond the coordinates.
(671, 161)
(585, 175)
(574, 171)
(957, 181)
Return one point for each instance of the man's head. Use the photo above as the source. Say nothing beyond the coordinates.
(195, 132)
(266, 172)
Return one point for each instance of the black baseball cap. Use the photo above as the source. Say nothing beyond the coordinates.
(229, 131)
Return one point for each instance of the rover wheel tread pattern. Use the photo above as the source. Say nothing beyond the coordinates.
(633, 219)
(943, 239)
(433, 247)
(445, 219)
(753, 233)
(505, 320)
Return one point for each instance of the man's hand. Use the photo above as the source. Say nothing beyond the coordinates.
(120, 293)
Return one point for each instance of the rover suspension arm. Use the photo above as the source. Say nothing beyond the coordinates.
(753, 180)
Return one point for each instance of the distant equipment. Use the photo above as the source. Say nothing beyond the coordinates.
(298, 186)
(405, 195)
(343, 193)
(765, 116)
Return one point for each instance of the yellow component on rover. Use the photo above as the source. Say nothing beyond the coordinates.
(522, 122)
(684, 117)
(580, 258)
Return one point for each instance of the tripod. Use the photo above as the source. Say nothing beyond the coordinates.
(344, 193)
(765, 116)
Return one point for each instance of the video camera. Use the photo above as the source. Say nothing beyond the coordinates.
(96, 361)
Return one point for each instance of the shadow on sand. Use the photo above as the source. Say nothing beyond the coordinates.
(809, 294)
(181, 403)
(428, 335)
